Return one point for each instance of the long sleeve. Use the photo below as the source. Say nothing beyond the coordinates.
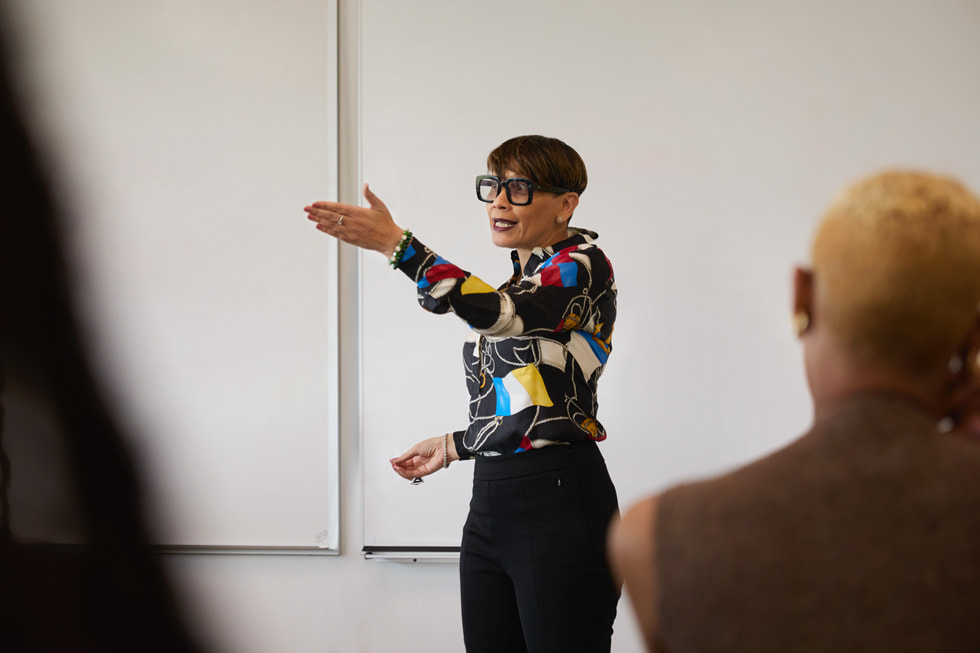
(538, 344)
(557, 296)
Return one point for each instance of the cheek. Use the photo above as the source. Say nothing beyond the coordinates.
(536, 220)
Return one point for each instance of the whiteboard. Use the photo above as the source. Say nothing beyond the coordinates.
(714, 133)
(188, 135)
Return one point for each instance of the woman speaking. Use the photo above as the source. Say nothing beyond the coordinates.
(533, 571)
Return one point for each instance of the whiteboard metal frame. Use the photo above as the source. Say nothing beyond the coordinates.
(448, 554)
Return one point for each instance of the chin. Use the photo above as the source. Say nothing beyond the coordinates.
(500, 240)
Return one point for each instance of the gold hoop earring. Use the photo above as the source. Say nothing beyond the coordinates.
(801, 322)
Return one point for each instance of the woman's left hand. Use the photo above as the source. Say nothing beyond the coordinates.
(368, 227)
(425, 457)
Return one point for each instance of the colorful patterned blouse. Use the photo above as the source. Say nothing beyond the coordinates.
(538, 347)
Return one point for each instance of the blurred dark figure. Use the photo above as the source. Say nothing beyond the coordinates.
(75, 570)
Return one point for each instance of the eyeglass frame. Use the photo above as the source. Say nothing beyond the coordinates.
(531, 187)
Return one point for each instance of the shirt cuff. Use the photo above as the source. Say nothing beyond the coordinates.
(461, 451)
(412, 259)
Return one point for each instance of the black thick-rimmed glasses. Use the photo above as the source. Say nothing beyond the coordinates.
(520, 191)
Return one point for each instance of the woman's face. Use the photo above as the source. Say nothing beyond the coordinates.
(542, 222)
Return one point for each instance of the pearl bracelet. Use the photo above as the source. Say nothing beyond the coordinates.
(445, 451)
(396, 256)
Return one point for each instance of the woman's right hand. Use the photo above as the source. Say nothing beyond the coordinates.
(370, 227)
(425, 457)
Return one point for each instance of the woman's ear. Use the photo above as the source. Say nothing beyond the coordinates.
(802, 300)
(569, 202)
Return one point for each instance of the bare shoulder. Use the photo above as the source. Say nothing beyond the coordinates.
(633, 561)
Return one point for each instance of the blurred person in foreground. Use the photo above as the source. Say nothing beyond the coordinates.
(864, 533)
(76, 573)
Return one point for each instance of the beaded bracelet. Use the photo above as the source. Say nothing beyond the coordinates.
(400, 248)
(445, 451)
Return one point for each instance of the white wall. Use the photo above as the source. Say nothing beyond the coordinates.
(860, 84)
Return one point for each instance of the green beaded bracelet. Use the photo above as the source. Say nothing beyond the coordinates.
(396, 257)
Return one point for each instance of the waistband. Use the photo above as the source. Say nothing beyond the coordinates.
(545, 459)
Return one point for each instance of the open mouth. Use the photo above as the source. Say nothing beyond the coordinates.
(503, 225)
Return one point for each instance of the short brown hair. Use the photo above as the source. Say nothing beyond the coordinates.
(897, 266)
(542, 160)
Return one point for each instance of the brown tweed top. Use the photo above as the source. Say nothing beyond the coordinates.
(862, 535)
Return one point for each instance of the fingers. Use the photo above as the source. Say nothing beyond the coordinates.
(408, 463)
(368, 227)
(333, 210)
(322, 207)
(407, 474)
(416, 466)
(326, 215)
(404, 458)
(420, 460)
(373, 200)
(329, 210)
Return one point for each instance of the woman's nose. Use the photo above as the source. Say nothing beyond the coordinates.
(502, 201)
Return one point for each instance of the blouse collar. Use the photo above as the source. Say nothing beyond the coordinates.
(539, 255)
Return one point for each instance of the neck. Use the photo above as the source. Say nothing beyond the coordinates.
(523, 255)
(835, 376)
(874, 383)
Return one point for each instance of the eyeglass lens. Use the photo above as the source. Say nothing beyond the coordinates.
(518, 191)
(488, 188)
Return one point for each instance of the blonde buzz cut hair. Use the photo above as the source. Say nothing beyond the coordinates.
(896, 263)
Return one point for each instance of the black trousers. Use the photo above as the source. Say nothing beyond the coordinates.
(533, 569)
